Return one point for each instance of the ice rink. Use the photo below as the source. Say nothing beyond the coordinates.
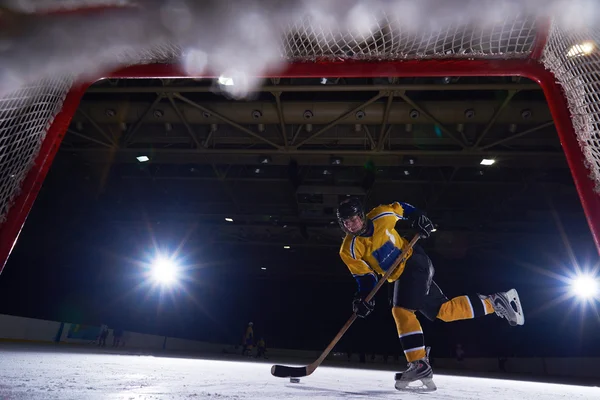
(29, 372)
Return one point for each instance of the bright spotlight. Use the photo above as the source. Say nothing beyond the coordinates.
(585, 286)
(164, 271)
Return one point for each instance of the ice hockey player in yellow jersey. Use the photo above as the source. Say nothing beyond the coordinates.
(372, 245)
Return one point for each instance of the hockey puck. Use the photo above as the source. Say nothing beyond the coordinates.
(295, 380)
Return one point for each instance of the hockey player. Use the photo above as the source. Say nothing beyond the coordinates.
(370, 248)
(248, 340)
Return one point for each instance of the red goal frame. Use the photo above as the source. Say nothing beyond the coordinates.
(529, 68)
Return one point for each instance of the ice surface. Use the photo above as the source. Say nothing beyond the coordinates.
(66, 373)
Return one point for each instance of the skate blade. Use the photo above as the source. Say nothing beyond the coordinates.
(427, 385)
(513, 296)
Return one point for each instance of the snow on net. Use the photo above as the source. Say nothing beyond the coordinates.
(26, 114)
(25, 117)
(573, 57)
(390, 39)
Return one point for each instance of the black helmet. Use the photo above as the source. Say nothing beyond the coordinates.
(348, 208)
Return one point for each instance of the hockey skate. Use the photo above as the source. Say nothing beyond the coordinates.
(507, 305)
(419, 370)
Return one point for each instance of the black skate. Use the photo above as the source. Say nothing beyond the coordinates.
(507, 305)
(419, 370)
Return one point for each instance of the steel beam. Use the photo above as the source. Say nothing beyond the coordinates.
(296, 134)
(184, 121)
(447, 112)
(487, 128)
(431, 118)
(91, 139)
(340, 118)
(226, 120)
(321, 88)
(386, 116)
(536, 128)
(506, 159)
(369, 136)
(97, 127)
(281, 119)
(388, 182)
(128, 136)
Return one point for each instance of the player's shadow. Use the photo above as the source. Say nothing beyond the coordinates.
(314, 391)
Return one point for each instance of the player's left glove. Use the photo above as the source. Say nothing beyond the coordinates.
(423, 225)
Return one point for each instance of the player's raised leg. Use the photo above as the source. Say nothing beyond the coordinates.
(504, 304)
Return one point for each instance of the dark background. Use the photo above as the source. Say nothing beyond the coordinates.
(81, 255)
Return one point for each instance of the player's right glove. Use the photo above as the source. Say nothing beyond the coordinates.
(361, 307)
(423, 225)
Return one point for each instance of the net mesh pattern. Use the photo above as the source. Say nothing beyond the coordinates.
(513, 37)
(25, 117)
(574, 59)
(26, 114)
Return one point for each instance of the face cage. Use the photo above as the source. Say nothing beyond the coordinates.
(363, 218)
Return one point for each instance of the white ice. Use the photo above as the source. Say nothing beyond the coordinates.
(65, 373)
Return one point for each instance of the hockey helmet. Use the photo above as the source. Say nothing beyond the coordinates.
(349, 208)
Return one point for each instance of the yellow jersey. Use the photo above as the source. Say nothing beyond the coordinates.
(373, 252)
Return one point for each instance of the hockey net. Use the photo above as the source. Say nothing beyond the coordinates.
(35, 116)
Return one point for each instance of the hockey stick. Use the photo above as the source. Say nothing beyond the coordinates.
(282, 371)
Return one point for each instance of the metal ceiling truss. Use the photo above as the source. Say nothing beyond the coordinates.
(416, 146)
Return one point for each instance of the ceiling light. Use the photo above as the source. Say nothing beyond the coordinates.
(336, 161)
(143, 158)
(263, 268)
(229, 219)
(225, 81)
(409, 160)
(581, 49)
(487, 161)
(286, 247)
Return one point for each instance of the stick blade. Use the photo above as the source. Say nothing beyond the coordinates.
(282, 371)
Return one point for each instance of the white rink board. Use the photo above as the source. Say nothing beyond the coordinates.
(63, 373)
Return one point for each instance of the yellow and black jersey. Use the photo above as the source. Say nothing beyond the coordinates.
(373, 252)
(249, 333)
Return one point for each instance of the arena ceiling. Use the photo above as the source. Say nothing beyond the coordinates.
(278, 162)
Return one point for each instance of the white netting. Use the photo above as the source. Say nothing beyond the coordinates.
(511, 37)
(574, 58)
(25, 116)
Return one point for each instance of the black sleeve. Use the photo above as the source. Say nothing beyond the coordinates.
(366, 283)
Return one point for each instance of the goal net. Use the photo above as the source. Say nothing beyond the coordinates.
(41, 87)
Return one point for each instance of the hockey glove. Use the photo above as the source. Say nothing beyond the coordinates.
(423, 225)
(363, 308)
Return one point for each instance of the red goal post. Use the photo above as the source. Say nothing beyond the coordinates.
(566, 64)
